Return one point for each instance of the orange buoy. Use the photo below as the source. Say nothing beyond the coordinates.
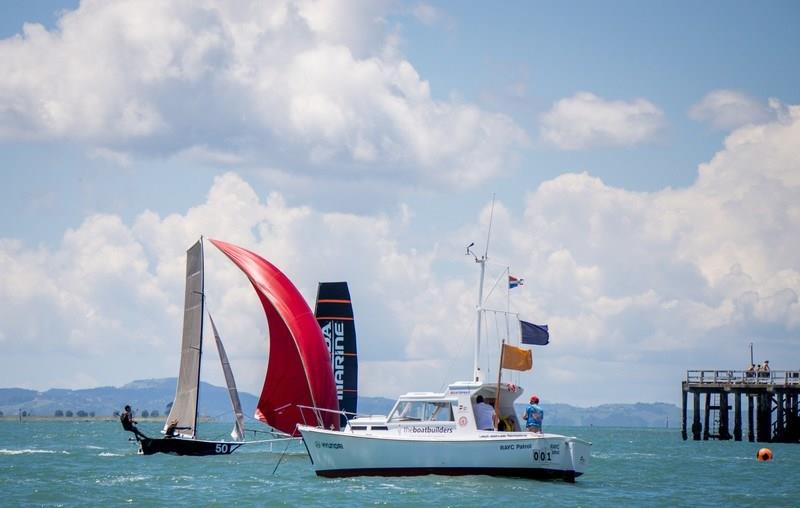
(764, 455)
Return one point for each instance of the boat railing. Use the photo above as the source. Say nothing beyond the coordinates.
(317, 412)
(746, 377)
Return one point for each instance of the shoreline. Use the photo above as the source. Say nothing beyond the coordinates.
(104, 418)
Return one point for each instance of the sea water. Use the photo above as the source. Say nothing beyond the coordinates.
(92, 463)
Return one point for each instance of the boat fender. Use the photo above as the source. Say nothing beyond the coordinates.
(764, 455)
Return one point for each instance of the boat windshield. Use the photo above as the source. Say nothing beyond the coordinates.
(419, 410)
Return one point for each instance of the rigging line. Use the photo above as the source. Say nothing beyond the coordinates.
(496, 282)
(268, 440)
(280, 459)
(496, 325)
(222, 414)
(489, 233)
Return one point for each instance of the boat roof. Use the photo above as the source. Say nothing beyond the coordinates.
(453, 389)
(422, 395)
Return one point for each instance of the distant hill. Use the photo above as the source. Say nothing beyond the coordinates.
(656, 414)
(148, 394)
(155, 394)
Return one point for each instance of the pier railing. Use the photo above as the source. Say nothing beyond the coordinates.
(744, 377)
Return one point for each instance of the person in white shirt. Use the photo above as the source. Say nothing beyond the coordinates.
(485, 417)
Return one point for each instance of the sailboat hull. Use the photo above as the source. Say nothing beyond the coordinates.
(516, 454)
(179, 446)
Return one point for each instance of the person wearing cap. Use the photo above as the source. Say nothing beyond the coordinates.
(129, 424)
(533, 416)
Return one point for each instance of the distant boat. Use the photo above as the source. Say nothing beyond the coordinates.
(298, 373)
(438, 433)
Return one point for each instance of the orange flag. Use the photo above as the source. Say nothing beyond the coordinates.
(516, 358)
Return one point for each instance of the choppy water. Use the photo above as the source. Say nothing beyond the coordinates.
(92, 463)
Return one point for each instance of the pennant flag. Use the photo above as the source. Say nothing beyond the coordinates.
(514, 282)
(516, 358)
(536, 335)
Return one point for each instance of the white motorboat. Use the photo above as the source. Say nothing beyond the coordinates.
(437, 433)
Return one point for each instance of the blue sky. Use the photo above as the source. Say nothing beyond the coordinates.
(644, 156)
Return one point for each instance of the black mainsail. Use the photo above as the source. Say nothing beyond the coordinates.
(334, 313)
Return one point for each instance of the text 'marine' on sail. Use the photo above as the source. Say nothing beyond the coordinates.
(299, 368)
(334, 312)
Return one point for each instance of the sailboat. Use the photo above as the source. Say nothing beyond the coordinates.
(299, 372)
(180, 428)
(439, 433)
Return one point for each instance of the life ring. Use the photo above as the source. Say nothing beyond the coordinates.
(512, 387)
(764, 455)
(462, 421)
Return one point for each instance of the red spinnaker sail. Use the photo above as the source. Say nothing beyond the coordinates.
(299, 368)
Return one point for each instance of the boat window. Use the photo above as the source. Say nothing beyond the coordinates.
(439, 411)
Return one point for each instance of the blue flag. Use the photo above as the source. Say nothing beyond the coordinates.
(536, 335)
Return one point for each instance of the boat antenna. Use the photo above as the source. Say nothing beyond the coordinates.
(489, 233)
(469, 252)
(479, 309)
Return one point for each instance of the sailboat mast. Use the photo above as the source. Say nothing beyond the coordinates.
(200, 342)
(476, 366)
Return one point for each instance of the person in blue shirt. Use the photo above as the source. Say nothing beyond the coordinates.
(533, 416)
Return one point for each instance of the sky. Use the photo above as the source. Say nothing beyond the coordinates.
(645, 158)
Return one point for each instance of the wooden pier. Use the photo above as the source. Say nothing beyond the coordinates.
(773, 415)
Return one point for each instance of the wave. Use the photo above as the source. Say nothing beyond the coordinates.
(25, 451)
(109, 454)
(121, 479)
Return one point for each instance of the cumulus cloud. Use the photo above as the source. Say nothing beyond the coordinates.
(636, 286)
(111, 292)
(643, 285)
(729, 109)
(586, 120)
(313, 81)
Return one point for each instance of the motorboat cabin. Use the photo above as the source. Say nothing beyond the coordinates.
(450, 412)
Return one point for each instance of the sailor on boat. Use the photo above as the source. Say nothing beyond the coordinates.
(485, 415)
(533, 416)
(129, 424)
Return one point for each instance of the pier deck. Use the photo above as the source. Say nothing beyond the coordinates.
(773, 414)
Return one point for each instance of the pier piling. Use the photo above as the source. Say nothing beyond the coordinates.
(767, 393)
(696, 427)
(737, 416)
